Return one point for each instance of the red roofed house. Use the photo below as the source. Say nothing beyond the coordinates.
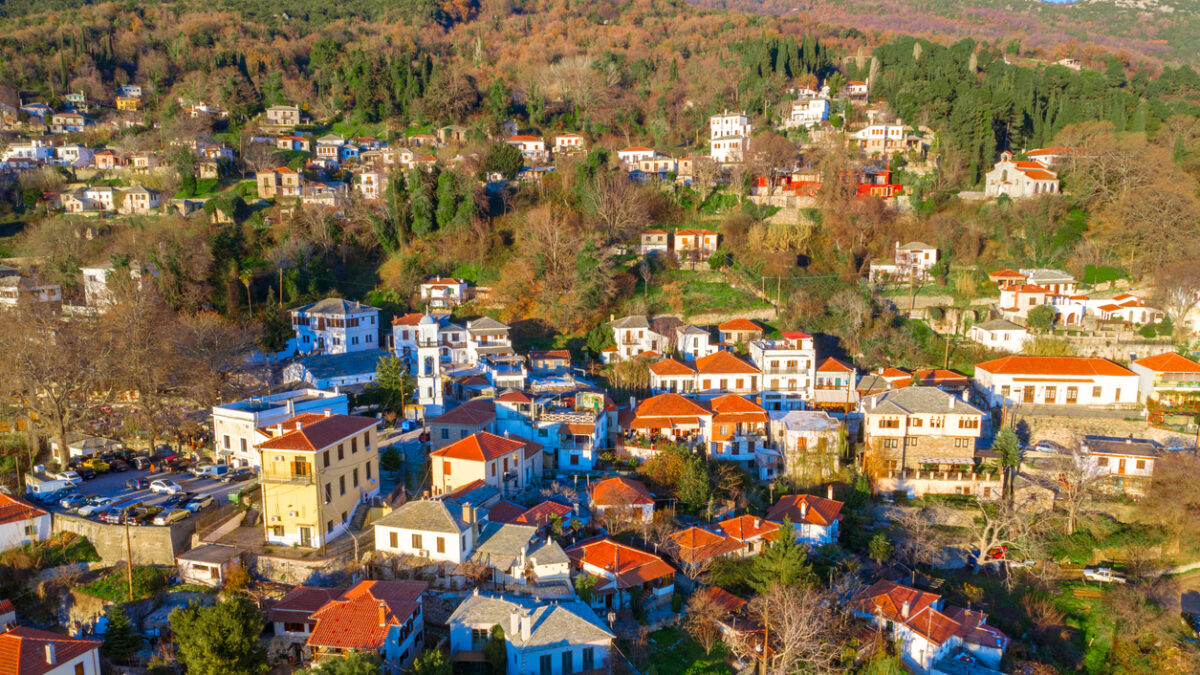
(1020, 179)
(835, 386)
(739, 331)
(316, 470)
(815, 520)
(751, 532)
(532, 148)
(21, 522)
(738, 432)
(382, 618)
(1126, 307)
(1056, 380)
(927, 631)
(693, 245)
(461, 421)
(671, 376)
(549, 362)
(789, 370)
(695, 546)
(666, 418)
(723, 373)
(1006, 276)
(619, 568)
(292, 615)
(620, 495)
(630, 156)
(444, 292)
(29, 651)
(509, 463)
(1167, 378)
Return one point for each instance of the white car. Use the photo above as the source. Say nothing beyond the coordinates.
(94, 505)
(163, 486)
(1103, 575)
(69, 476)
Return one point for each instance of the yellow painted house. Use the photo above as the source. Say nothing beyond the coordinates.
(509, 463)
(316, 469)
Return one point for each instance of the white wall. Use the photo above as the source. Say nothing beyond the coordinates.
(14, 534)
(455, 552)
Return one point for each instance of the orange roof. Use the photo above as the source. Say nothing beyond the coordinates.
(723, 362)
(1071, 366)
(630, 566)
(832, 365)
(732, 409)
(523, 137)
(728, 601)
(697, 233)
(938, 376)
(542, 513)
(1048, 151)
(551, 354)
(893, 373)
(933, 625)
(797, 335)
(482, 446)
(473, 413)
(515, 397)
(363, 615)
(670, 367)
(1006, 274)
(503, 511)
(1169, 362)
(310, 432)
(14, 509)
(300, 603)
(1039, 175)
(410, 319)
(819, 511)
(653, 232)
(23, 650)
(743, 528)
(1026, 288)
(670, 405)
(636, 148)
(621, 491)
(739, 325)
(886, 599)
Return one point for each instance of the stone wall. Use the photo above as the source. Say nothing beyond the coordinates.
(909, 457)
(150, 544)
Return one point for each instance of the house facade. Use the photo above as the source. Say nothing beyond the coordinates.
(1056, 380)
(918, 428)
(236, 424)
(509, 463)
(999, 334)
(335, 326)
(433, 530)
(385, 619)
(30, 651)
(1020, 179)
(729, 137)
(789, 369)
(21, 522)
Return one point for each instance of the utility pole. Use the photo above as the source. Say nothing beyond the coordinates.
(128, 552)
(766, 634)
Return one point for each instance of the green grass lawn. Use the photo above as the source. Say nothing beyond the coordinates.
(1088, 616)
(673, 651)
(691, 293)
(147, 582)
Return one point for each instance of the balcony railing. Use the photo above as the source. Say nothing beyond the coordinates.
(785, 370)
(286, 477)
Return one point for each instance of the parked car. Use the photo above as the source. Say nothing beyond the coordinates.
(86, 472)
(195, 504)
(1103, 575)
(96, 464)
(143, 515)
(71, 477)
(171, 516)
(137, 484)
(94, 505)
(238, 475)
(163, 486)
(176, 499)
(408, 425)
(118, 466)
(112, 515)
(1048, 446)
(72, 501)
(141, 463)
(210, 470)
(54, 496)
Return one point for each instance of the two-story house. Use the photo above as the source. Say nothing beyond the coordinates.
(30, 651)
(739, 331)
(280, 182)
(654, 241)
(693, 245)
(335, 326)
(532, 148)
(634, 336)
(439, 530)
(443, 292)
(1126, 463)
(283, 115)
(1056, 380)
(384, 619)
(292, 614)
(816, 521)
(728, 137)
(509, 463)
(739, 431)
(629, 157)
(789, 369)
(692, 342)
(540, 637)
(723, 373)
(461, 421)
(315, 470)
(569, 143)
(1167, 378)
(236, 424)
(618, 568)
(807, 445)
(835, 385)
(807, 113)
(667, 418)
(622, 498)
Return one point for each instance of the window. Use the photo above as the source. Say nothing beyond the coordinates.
(1103, 461)
(568, 662)
(355, 475)
(368, 471)
(446, 467)
(575, 460)
(328, 493)
(441, 544)
(242, 442)
(542, 433)
(546, 665)
(353, 445)
(31, 530)
(342, 484)
(289, 627)
(1004, 391)
(937, 422)
(393, 540)
(416, 541)
(79, 668)
(1097, 392)
(445, 434)
(589, 658)
(227, 441)
(325, 458)
(1141, 464)
(341, 452)
(329, 526)
(493, 468)
(277, 531)
(916, 422)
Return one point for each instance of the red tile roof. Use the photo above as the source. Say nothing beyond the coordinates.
(482, 446)
(832, 365)
(621, 491)
(636, 148)
(671, 405)
(23, 650)
(410, 319)
(300, 602)
(744, 528)
(933, 625)
(474, 413)
(739, 325)
(504, 511)
(14, 509)
(630, 566)
(886, 599)
(697, 545)
(523, 137)
(543, 513)
(819, 511)
(1075, 366)
(551, 354)
(362, 616)
(1048, 151)
(310, 432)
(1169, 362)
(723, 362)
(727, 601)
(797, 335)
(516, 397)
(936, 376)
(670, 367)
(1006, 274)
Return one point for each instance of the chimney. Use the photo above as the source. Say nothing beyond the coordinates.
(905, 609)
(299, 425)
(1129, 440)
(803, 509)
(758, 522)
(291, 407)
(525, 627)
(829, 491)
(383, 613)
(50, 656)
(514, 623)
(952, 399)
(279, 428)
(328, 412)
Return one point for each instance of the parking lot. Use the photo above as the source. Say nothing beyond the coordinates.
(113, 485)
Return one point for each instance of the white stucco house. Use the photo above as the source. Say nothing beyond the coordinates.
(1000, 334)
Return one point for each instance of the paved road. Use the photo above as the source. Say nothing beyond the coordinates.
(113, 485)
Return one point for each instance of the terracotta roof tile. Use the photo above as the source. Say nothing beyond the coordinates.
(1075, 366)
(728, 601)
(739, 325)
(311, 432)
(671, 405)
(819, 511)
(505, 511)
(621, 491)
(832, 365)
(482, 446)
(670, 367)
(14, 509)
(363, 615)
(476, 412)
(1169, 362)
(300, 602)
(744, 528)
(23, 650)
(543, 513)
(630, 566)
(723, 362)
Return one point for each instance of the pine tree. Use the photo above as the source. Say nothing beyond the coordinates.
(120, 642)
(495, 652)
(782, 561)
(447, 198)
(693, 483)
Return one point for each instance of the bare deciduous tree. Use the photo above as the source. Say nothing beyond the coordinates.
(1001, 525)
(804, 632)
(919, 542)
(1078, 479)
(616, 205)
(700, 621)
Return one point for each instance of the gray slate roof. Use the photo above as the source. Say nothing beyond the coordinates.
(549, 553)
(916, 246)
(689, 329)
(486, 323)
(211, 553)
(911, 400)
(335, 306)
(501, 544)
(322, 366)
(427, 516)
(1113, 445)
(570, 622)
(631, 322)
